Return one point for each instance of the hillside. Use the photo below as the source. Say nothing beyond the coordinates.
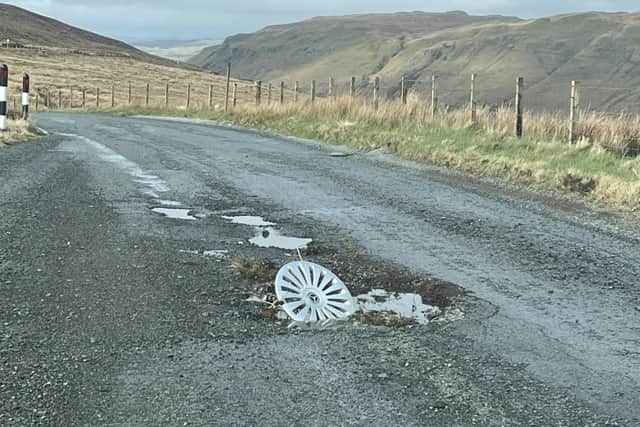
(23, 27)
(63, 60)
(343, 46)
(602, 50)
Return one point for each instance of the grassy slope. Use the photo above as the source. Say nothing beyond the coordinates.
(27, 28)
(51, 70)
(589, 171)
(342, 46)
(597, 49)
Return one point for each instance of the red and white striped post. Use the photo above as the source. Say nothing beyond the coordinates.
(4, 91)
(25, 96)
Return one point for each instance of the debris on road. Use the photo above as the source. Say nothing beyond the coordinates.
(311, 293)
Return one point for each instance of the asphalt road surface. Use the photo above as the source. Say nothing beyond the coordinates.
(112, 313)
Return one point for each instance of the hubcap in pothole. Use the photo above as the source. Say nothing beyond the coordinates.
(311, 293)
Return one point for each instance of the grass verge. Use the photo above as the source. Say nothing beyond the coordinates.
(18, 131)
(589, 168)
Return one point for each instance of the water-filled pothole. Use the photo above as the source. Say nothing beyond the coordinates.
(409, 306)
(271, 238)
(170, 203)
(176, 213)
(219, 254)
(255, 221)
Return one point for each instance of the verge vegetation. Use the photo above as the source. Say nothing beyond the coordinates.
(18, 130)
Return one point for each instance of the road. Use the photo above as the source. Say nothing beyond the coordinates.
(110, 316)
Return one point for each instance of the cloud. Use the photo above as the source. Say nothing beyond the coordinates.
(188, 19)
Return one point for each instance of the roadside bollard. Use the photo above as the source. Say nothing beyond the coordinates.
(25, 96)
(4, 81)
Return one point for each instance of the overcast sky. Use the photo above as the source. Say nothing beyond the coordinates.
(136, 20)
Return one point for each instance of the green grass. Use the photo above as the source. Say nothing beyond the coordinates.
(598, 175)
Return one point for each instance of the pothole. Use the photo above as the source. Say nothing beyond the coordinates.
(271, 238)
(254, 221)
(404, 305)
(217, 253)
(176, 213)
(170, 203)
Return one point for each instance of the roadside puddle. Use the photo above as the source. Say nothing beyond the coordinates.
(176, 213)
(254, 221)
(408, 306)
(271, 238)
(171, 203)
(218, 254)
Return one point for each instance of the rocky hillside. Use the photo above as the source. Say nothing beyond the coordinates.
(601, 50)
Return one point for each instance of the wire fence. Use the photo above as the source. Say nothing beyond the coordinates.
(581, 103)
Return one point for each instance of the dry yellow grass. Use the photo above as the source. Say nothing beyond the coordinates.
(53, 70)
(18, 130)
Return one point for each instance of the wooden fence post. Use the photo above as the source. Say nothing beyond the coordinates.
(188, 95)
(352, 87)
(403, 90)
(313, 91)
(331, 87)
(376, 90)
(59, 99)
(269, 90)
(472, 99)
(166, 95)
(258, 92)
(573, 105)
(97, 97)
(146, 95)
(84, 97)
(226, 91)
(434, 95)
(519, 124)
(46, 97)
(37, 99)
(226, 100)
(71, 98)
(281, 93)
(113, 95)
(235, 95)
(296, 90)
(129, 93)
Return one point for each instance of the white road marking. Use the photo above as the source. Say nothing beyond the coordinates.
(153, 182)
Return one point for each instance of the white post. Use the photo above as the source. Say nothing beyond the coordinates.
(4, 92)
(25, 96)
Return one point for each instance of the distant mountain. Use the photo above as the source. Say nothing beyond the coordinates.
(601, 50)
(343, 45)
(176, 50)
(22, 27)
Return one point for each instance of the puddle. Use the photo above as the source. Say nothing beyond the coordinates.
(216, 253)
(409, 306)
(175, 213)
(271, 238)
(255, 221)
(172, 203)
(219, 254)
